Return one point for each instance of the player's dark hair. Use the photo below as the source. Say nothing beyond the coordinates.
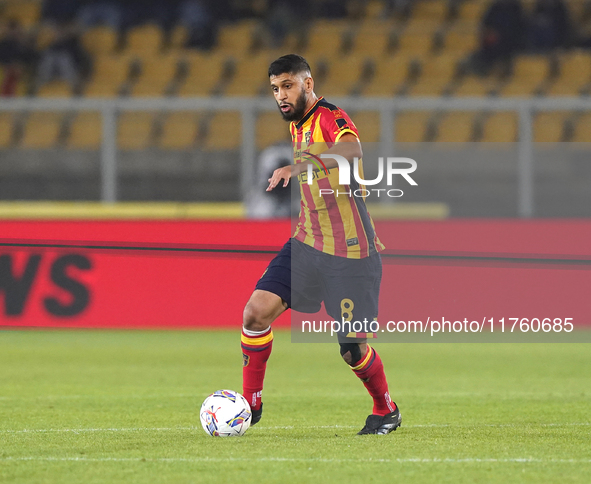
(289, 64)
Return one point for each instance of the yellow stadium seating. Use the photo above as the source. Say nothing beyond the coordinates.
(373, 9)
(55, 89)
(549, 127)
(46, 34)
(99, 40)
(372, 38)
(500, 128)
(436, 73)
(135, 130)
(417, 38)
(250, 77)
(472, 10)
(343, 76)
(144, 40)
(85, 131)
(6, 127)
(461, 40)
(325, 37)
(456, 127)
(236, 38)
(109, 73)
(205, 72)
(270, 129)
(41, 130)
(582, 131)
(26, 12)
(575, 73)
(178, 37)
(390, 74)
(223, 132)
(180, 130)
(411, 127)
(368, 125)
(157, 73)
(431, 10)
(474, 86)
(529, 72)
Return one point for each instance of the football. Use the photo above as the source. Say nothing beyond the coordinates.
(225, 413)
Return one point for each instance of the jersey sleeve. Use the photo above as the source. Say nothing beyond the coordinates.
(335, 123)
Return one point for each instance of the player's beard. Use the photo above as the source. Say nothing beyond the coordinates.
(298, 110)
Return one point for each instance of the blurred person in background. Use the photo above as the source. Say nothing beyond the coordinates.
(549, 26)
(17, 56)
(139, 12)
(501, 36)
(285, 17)
(201, 18)
(261, 204)
(64, 58)
(60, 11)
(107, 12)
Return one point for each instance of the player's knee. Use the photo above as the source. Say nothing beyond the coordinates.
(256, 317)
(350, 352)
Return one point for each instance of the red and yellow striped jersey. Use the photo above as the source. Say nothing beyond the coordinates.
(335, 223)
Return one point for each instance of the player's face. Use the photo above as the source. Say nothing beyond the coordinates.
(291, 95)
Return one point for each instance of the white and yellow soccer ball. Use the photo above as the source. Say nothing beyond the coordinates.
(225, 413)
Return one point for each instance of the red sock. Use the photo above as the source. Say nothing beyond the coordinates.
(370, 370)
(256, 349)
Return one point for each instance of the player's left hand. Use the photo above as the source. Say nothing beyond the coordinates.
(284, 173)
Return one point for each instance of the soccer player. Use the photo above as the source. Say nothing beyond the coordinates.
(333, 256)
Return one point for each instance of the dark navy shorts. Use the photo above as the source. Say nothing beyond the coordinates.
(305, 277)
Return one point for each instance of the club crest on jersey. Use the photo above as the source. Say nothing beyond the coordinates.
(308, 137)
(245, 359)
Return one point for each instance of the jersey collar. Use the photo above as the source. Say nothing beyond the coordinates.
(309, 113)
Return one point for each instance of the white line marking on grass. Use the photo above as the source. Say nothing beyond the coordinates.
(411, 460)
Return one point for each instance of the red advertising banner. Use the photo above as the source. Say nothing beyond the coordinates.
(166, 274)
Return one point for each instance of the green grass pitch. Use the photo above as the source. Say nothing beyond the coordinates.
(122, 407)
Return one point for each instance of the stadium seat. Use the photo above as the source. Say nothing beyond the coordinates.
(157, 71)
(270, 130)
(109, 74)
(250, 77)
(45, 35)
(417, 38)
(389, 76)
(499, 127)
(326, 37)
(6, 128)
(372, 38)
(431, 10)
(529, 73)
(26, 13)
(204, 73)
(456, 127)
(474, 86)
(55, 89)
(461, 39)
(178, 37)
(437, 72)
(411, 127)
(582, 129)
(549, 127)
(99, 40)
(135, 130)
(368, 125)
(472, 10)
(224, 132)
(180, 130)
(144, 40)
(344, 76)
(41, 130)
(373, 9)
(575, 74)
(85, 131)
(236, 38)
